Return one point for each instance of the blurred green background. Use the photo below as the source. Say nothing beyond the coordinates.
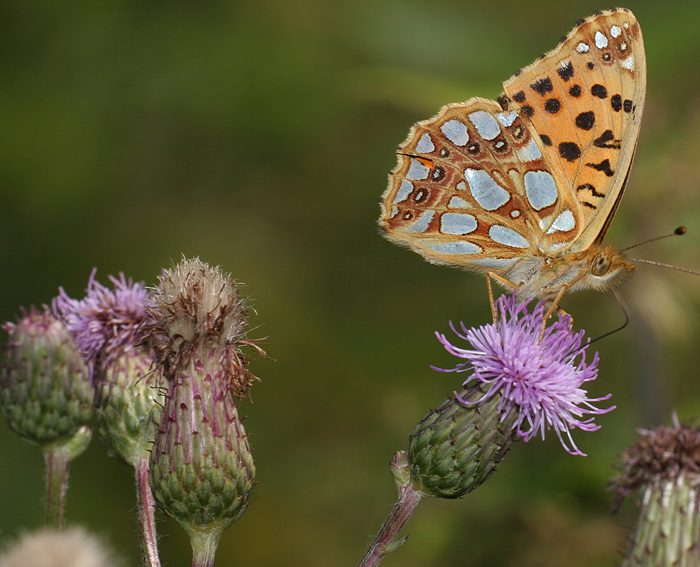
(258, 136)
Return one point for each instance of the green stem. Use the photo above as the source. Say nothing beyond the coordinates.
(406, 503)
(204, 544)
(146, 506)
(57, 463)
(57, 458)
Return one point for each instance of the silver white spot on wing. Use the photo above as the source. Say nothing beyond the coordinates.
(623, 46)
(485, 124)
(494, 262)
(601, 41)
(530, 152)
(515, 213)
(563, 223)
(456, 132)
(422, 222)
(459, 203)
(540, 188)
(457, 223)
(628, 63)
(615, 31)
(425, 144)
(626, 25)
(489, 194)
(507, 118)
(508, 237)
(582, 47)
(417, 171)
(461, 186)
(404, 191)
(456, 248)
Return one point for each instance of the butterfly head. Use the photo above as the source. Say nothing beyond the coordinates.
(607, 268)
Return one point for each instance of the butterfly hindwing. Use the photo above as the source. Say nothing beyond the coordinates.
(585, 99)
(472, 189)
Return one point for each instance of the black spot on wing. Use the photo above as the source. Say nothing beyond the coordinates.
(519, 96)
(607, 140)
(599, 91)
(569, 151)
(542, 86)
(552, 105)
(566, 71)
(585, 120)
(591, 188)
(616, 103)
(575, 91)
(546, 140)
(627, 105)
(603, 166)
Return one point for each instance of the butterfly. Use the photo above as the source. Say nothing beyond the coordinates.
(524, 188)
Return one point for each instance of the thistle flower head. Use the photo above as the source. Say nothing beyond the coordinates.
(201, 468)
(45, 393)
(105, 322)
(659, 455)
(197, 306)
(538, 374)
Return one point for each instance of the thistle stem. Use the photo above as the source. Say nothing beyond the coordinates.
(204, 544)
(57, 463)
(146, 507)
(385, 542)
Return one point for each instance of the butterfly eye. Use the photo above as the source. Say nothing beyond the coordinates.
(600, 265)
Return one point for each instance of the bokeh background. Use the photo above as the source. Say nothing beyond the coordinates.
(258, 135)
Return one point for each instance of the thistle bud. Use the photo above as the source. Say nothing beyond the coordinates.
(105, 325)
(47, 398)
(202, 469)
(663, 467)
(454, 449)
(45, 392)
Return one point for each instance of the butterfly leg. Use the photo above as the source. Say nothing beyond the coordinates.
(554, 306)
(489, 289)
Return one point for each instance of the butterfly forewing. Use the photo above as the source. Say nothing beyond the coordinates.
(585, 100)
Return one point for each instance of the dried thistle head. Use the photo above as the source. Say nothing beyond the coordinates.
(659, 455)
(197, 308)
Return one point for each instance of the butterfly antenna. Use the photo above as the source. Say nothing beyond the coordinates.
(680, 231)
(621, 303)
(663, 265)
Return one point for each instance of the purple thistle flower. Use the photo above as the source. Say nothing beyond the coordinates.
(105, 322)
(538, 377)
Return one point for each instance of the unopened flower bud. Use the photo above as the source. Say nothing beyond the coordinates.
(45, 392)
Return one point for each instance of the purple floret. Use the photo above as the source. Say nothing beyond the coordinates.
(105, 322)
(538, 375)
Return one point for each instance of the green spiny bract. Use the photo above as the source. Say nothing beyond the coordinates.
(454, 449)
(45, 392)
(128, 400)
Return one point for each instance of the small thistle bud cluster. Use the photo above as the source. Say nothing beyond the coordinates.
(45, 392)
(202, 469)
(663, 466)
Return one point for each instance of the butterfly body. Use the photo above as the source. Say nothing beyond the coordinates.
(525, 188)
(599, 268)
